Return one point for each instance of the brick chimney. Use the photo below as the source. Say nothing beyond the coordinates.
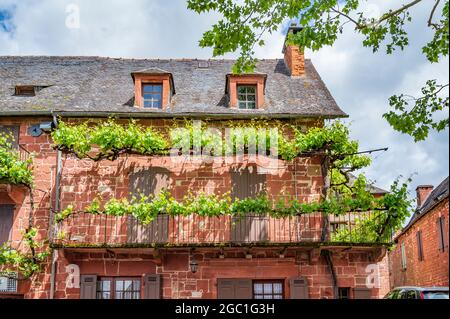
(422, 192)
(294, 57)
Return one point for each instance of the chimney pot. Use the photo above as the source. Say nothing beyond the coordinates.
(423, 191)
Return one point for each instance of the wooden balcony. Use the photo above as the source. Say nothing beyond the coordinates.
(87, 230)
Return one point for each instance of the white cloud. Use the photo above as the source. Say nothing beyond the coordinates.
(360, 81)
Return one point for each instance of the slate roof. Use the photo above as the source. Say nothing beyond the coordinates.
(101, 86)
(438, 194)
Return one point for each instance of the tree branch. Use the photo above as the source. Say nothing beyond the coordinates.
(430, 19)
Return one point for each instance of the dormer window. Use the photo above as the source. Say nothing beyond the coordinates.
(246, 96)
(152, 95)
(246, 91)
(153, 88)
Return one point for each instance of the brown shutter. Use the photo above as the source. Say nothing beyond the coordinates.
(14, 131)
(362, 293)
(299, 288)
(149, 181)
(152, 287)
(247, 183)
(234, 289)
(442, 234)
(6, 222)
(243, 289)
(88, 286)
(419, 245)
(250, 228)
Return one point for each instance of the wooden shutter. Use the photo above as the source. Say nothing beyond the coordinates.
(243, 289)
(14, 131)
(152, 287)
(299, 288)
(149, 181)
(88, 287)
(250, 229)
(247, 183)
(6, 222)
(419, 245)
(403, 255)
(442, 234)
(234, 289)
(362, 293)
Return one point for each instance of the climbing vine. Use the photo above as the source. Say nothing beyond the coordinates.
(391, 210)
(16, 171)
(109, 139)
(26, 263)
(13, 170)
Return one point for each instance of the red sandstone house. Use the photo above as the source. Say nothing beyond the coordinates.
(421, 254)
(173, 257)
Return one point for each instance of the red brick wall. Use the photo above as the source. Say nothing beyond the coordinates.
(433, 270)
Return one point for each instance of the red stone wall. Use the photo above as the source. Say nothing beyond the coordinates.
(433, 270)
(83, 180)
(179, 282)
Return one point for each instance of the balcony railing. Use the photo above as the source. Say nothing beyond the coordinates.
(104, 230)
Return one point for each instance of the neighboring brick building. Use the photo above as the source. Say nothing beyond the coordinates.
(251, 258)
(421, 256)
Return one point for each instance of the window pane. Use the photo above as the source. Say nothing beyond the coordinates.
(277, 288)
(251, 98)
(241, 97)
(251, 105)
(242, 105)
(258, 288)
(251, 89)
(149, 88)
(241, 89)
(119, 285)
(268, 288)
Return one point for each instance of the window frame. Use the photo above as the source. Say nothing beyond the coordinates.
(161, 95)
(247, 94)
(347, 290)
(272, 282)
(113, 291)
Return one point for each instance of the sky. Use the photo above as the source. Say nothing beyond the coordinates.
(360, 81)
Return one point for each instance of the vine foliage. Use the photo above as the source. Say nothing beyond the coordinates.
(108, 140)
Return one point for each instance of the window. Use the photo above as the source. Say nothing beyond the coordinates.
(403, 256)
(8, 283)
(118, 288)
(268, 290)
(246, 96)
(152, 96)
(419, 245)
(343, 293)
(25, 90)
(442, 234)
